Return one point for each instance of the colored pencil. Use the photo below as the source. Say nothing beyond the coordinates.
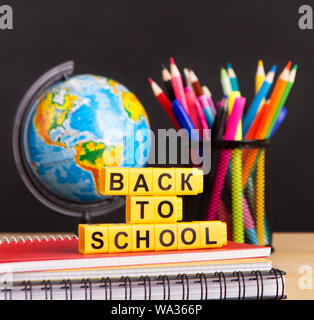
(283, 99)
(202, 99)
(223, 161)
(259, 76)
(184, 120)
(233, 78)
(177, 83)
(274, 103)
(225, 82)
(166, 78)
(262, 93)
(280, 118)
(163, 101)
(208, 94)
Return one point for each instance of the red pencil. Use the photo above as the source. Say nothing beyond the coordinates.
(163, 101)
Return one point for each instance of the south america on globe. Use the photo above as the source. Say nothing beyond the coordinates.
(78, 126)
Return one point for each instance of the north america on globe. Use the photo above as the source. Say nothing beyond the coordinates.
(78, 126)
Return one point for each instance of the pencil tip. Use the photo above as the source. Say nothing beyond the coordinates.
(260, 63)
(295, 67)
(229, 65)
(172, 60)
(150, 80)
(273, 68)
(288, 66)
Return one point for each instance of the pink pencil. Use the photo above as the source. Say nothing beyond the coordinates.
(190, 99)
(177, 84)
(224, 158)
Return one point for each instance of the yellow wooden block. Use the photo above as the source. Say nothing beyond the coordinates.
(93, 238)
(167, 209)
(189, 181)
(143, 237)
(140, 181)
(213, 234)
(151, 181)
(166, 237)
(114, 181)
(139, 209)
(188, 235)
(164, 181)
(120, 237)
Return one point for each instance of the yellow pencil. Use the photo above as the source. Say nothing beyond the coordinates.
(259, 76)
(259, 79)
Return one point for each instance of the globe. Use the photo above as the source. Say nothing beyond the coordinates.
(79, 125)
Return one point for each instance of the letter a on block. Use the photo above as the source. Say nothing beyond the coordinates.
(141, 181)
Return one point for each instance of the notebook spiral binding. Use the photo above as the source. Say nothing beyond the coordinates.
(107, 284)
(18, 239)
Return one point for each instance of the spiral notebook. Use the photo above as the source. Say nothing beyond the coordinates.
(51, 268)
(219, 286)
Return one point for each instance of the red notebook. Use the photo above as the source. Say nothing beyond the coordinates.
(62, 253)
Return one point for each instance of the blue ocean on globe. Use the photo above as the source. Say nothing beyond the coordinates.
(78, 126)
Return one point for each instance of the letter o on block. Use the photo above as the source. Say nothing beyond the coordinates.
(188, 235)
(166, 236)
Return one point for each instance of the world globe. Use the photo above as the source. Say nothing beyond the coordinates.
(79, 125)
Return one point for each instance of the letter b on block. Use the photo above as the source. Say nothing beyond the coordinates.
(113, 181)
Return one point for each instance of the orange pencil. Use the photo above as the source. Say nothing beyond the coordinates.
(273, 104)
(252, 131)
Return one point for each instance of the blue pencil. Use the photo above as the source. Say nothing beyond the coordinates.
(261, 94)
(233, 78)
(184, 119)
(282, 114)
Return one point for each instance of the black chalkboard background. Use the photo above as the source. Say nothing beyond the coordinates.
(127, 40)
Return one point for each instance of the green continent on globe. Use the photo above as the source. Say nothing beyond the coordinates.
(78, 126)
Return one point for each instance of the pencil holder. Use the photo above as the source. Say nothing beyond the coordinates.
(238, 186)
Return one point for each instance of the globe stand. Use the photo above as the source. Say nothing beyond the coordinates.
(85, 212)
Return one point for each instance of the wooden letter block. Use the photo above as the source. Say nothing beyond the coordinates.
(213, 234)
(167, 209)
(166, 237)
(139, 209)
(114, 181)
(120, 238)
(93, 238)
(143, 237)
(141, 181)
(164, 181)
(189, 181)
(188, 235)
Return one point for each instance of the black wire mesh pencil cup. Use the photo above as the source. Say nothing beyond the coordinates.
(236, 190)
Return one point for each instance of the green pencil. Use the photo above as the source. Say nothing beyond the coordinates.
(225, 82)
(283, 98)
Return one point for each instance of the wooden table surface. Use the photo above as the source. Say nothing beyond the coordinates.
(294, 252)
